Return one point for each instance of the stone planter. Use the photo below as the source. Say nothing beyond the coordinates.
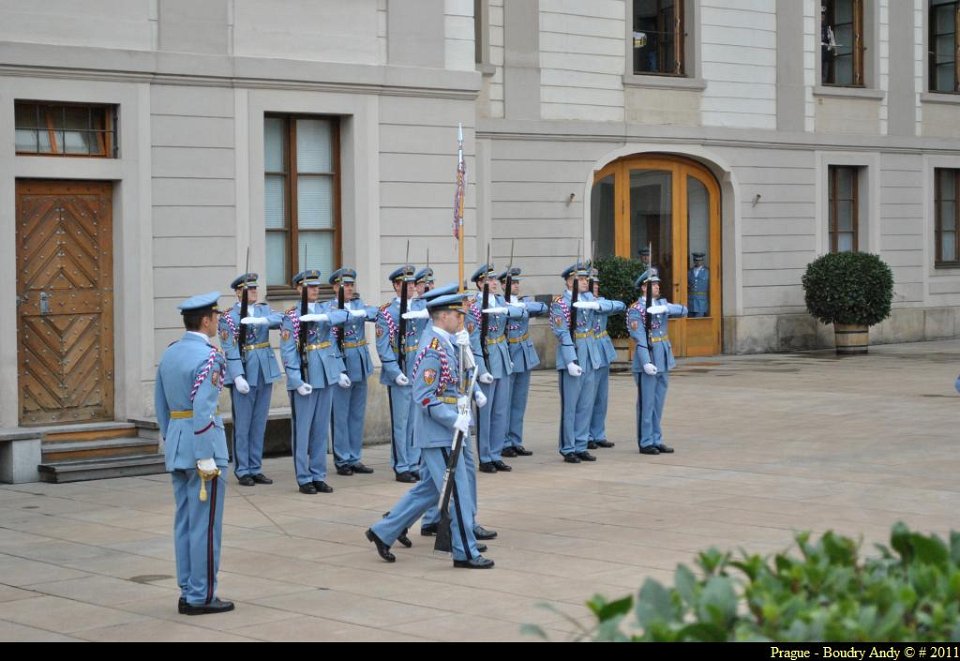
(851, 339)
(624, 347)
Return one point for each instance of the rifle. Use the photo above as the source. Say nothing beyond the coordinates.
(244, 300)
(485, 318)
(302, 335)
(340, 305)
(574, 297)
(508, 295)
(402, 323)
(647, 304)
(427, 287)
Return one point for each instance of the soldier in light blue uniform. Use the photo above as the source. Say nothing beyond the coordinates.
(577, 360)
(652, 360)
(440, 410)
(598, 420)
(405, 458)
(189, 379)
(311, 398)
(494, 371)
(698, 284)
(350, 404)
(524, 357)
(250, 377)
(424, 280)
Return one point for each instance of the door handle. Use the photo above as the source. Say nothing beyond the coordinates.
(44, 304)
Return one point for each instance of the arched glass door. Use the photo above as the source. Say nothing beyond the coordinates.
(666, 211)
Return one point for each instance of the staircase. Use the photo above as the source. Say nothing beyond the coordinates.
(94, 451)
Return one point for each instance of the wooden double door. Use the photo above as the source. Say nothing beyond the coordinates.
(64, 232)
(672, 206)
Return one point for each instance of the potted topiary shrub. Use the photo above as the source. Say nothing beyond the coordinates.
(852, 291)
(616, 284)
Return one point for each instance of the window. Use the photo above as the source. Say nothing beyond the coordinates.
(301, 196)
(844, 208)
(65, 129)
(946, 185)
(944, 20)
(658, 33)
(841, 42)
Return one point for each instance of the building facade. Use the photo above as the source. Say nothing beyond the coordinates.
(152, 145)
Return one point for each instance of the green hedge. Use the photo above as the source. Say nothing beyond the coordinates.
(848, 288)
(818, 591)
(617, 275)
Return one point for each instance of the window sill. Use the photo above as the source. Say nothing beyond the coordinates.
(947, 266)
(940, 97)
(486, 69)
(664, 82)
(838, 91)
(279, 293)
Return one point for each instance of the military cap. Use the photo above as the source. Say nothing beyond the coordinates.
(580, 268)
(482, 272)
(650, 275)
(404, 272)
(443, 290)
(308, 278)
(446, 302)
(699, 255)
(342, 275)
(514, 273)
(245, 281)
(594, 272)
(644, 252)
(200, 303)
(424, 275)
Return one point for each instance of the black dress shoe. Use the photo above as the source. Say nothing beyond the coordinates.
(586, 456)
(428, 530)
(416, 475)
(246, 481)
(571, 458)
(522, 451)
(664, 449)
(260, 478)
(382, 548)
(488, 467)
(483, 534)
(215, 606)
(344, 470)
(591, 445)
(481, 548)
(404, 539)
(308, 488)
(360, 468)
(605, 444)
(182, 606)
(502, 466)
(322, 487)
(474, 563)
(508, 452)
(650, 449)
(406, 477)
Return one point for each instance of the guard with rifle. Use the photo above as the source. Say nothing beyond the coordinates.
(313, 366)
(350, 404)
(578, 356)
(441, 421)
(424, 280)
(653, 358)
(252, 370)
(598, 419)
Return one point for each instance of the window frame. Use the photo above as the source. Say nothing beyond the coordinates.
(680, 33)
(932, 51)
(833, 184)
(939, 262)
(291, 216)
(859, 61)
(106, 137)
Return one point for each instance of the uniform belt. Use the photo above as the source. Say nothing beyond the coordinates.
(602, 334)
(662, 338)
(186, 415)
(447, 400)
(258, 345)
(583, 336)
(698, 293)
(354, 345)
(495, 340)
(315, 347)
(409, 348)
(518, 340)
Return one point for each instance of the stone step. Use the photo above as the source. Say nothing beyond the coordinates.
(100, 448)
(98, 469)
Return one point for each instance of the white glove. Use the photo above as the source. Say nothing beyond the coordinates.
(480, 398)
(650, 369)
(207, 465)
(497, 310)
(587, 305)
(255, 321)
(307, 318)
(657, 309)
(344, 381)
(462, 338)
(416, 314)
(305, 389)
(462, 423)
(358, 313)
(486, 378)
(402, 380)
(241, 385)
(574, 370)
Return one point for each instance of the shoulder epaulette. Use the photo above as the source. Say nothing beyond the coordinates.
(289, 311)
